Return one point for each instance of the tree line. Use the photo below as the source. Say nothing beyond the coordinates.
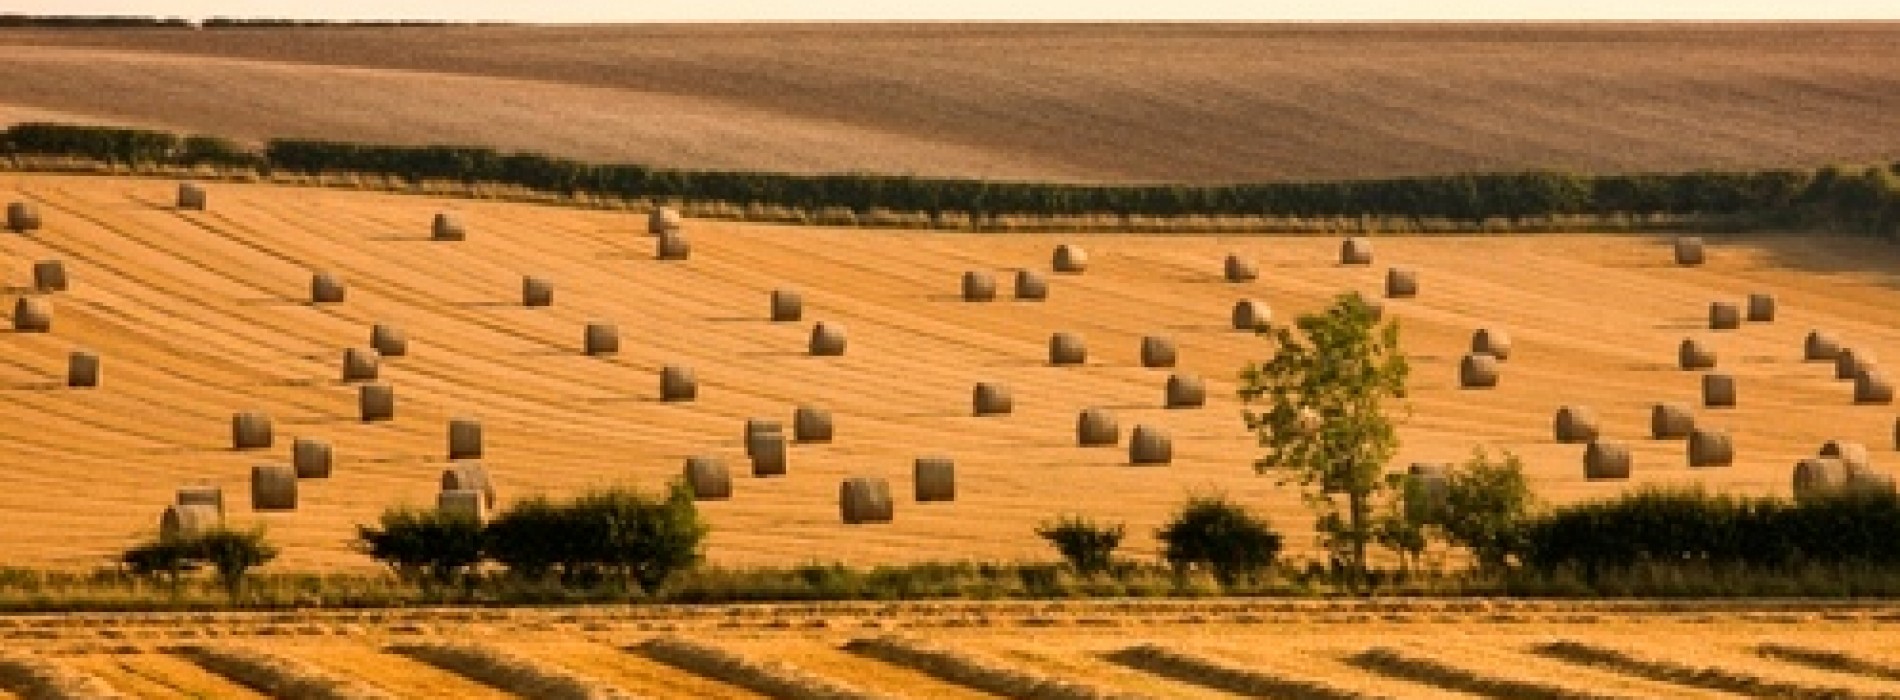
(1862, 199)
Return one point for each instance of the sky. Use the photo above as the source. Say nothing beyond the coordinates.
(581, 11)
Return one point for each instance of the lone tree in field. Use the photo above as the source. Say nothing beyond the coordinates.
(1326, 426)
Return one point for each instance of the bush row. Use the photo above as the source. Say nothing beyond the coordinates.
(1669, 527)
(1864, 199)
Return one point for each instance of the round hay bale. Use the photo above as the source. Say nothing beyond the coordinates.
(1872, 387)
(465, 438)
(326, 288)
(788, 306)
(273, 487)
(389, 340)
(1849, 453)
(191, 195)
(1819, 477)
(448, 227)
(1724, 316)
(463, 503)
(1478, 371)
(1401, 283)
(1576, 424)
(677, 384)
(1848, 363)
(827, 339)
(1694, 355)
(1067, 349)
(1095, 427)
(23, 217)
(1031, 286)
(865, 500)
(32, 315)
(978, 286)
(49, 276)
(1356, 251)
(1670, 421)
(361, 364)
(1688, 250)
(537, 292)
(250, 431)
(935, 479)
(311, 458)
(708, 478)
(1250, 315)
(663, 219)
(1492, 341)
(768, 453)
(811, 424)
(180, 521)
(1150, 445)
(1070, 259)
(1896, 433)
(200, 495)
(1761, 308)
(376, 402)
(1710, 447)
(1427, 493)
(1718, 390)
(1186, 391)
(1821, 347)
(1157, 352)
(673, 246)
(602, 339)
(760, 426)
(1864, 480)
(1238, 269)
(991, 399)
(82, 369)
(1604, 460)
(470, 476)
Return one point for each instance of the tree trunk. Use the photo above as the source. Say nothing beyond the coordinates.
(1357, 498)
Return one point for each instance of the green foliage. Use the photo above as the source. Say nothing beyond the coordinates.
(1088, 546)
(231, 553)
(615, 534)
(433, 545)
(1693, 526)
(1489, 506)
(1326, 425)
(1220, 536)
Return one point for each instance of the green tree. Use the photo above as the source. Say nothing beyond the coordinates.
(1326, 425)
(1220, 535)
(1088, 546)
(233, 553)
(431, 545)
(1488, 507)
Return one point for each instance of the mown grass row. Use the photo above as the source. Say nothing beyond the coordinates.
(981, 674)
(278, 676)
(1707, 677)
(510, 672)
(1199, 670)
(1397, 664)
(775, 679)
(38, 678)
(1831, 661)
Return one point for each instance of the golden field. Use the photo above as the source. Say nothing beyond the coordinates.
(1173, 103)
(198, 315)
(1688, 650)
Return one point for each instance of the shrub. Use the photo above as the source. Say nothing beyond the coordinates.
(1220, 536)
(1695, 527)
(1488, 506)
(1087, 546)
(435, 544)
(233, 553)
(167, 558)
(617, 534)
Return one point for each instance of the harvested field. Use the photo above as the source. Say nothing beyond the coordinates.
(201, 312)
(1307, 644)
(1173, 102)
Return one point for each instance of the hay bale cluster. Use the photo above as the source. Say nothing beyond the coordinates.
(1871, 387)
(1821, 346)
(765, 445)
(663, 219)
(189, 519)
(1849, 362)
(673, 246)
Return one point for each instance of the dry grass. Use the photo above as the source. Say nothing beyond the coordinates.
(1395, 663)
(1175, 102)
(38, 678)
(507, 671)
(1710, 677)
(1831, 660)
(190, 310)
(773, 678)
(982, 674)
(277, 675)
(1213, 673)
